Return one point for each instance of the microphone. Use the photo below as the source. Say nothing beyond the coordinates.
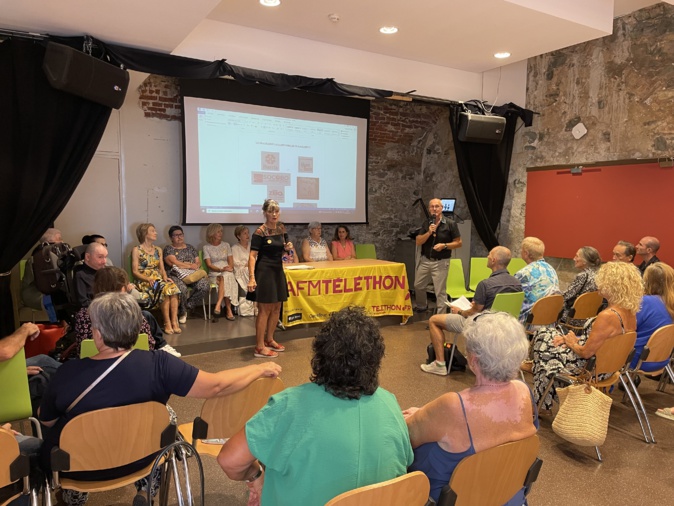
(432, 221)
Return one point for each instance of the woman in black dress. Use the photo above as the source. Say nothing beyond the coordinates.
(265, 264)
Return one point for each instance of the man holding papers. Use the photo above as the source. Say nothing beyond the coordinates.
(500, 281)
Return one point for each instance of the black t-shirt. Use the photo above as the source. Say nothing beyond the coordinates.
(446, 232)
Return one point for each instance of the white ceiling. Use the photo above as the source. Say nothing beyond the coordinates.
(460, 34)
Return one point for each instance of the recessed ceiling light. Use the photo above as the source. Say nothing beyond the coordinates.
(388, 30)
(270, 3)
(503, 54)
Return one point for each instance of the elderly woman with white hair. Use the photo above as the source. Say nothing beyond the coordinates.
(314, 247)
(497, 409)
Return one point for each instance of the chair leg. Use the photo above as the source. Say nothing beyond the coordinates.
(451, 355)
(165, 484)
(186, 474)
(46, 492)
(176, 479)
(598, 453)
(665, 378)
(548, 387)
(36, 424)
(631, 392)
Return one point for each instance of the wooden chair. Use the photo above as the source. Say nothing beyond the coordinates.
(478, 271)
(110, 438)
(456, 281)
(654, 359)
(222, 417)
(366, 251)
(612, 357)
(492, 477)
(14, 395)
(516, 264)
(14, 467)
(88, 348)
(509, 302)
(545, 311)
(407, 490)
(584, 307)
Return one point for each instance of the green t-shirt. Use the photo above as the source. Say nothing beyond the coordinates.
(316, 446)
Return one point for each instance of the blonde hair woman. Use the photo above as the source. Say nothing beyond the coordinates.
(220, 263)
(620, 284)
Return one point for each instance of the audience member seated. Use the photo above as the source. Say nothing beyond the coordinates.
(95, 258)
(587, 261)
(496, 410)
(342, 244)
(182, 259)
(657, 306)
(620, 284)
(646, 249)
(538, 278)
(336, 433)
(88, 239)
(147, 265)
(624, 252)
(140, 377)
(314, 247)
(500, 281)
(220, 262)
(30, 295)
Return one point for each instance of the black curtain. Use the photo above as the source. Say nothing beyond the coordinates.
(47, 139)
(483, 171)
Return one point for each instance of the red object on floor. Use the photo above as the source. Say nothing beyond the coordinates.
(46, 341)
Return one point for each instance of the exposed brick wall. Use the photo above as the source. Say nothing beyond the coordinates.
(160, 98)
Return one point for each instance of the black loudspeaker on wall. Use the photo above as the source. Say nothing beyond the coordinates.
(479, 128)
(75, 72)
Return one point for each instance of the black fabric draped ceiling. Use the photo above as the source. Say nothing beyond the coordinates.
(484, 169)
(47, 139)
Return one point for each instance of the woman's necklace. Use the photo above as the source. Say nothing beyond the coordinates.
(270, 231)
(147, 249)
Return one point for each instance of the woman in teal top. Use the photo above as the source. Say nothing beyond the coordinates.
(339, 432)
(496, 410)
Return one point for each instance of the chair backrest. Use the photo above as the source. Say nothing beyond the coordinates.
(515, 265)
(226, 415)
(88, 348)
(660, 346)
(509, 302)
(587, 305)
(9, 451)
(492, 477)
(366, 251)
(407, 490)
(14, 393)
(478, 271)
(115, 436)
(545, 310)
(456, 281)
(22, 268)
(613, 354)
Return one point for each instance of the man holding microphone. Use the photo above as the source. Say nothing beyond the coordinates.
(438, 237)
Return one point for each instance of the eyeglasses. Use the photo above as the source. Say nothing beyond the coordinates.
(179, 234)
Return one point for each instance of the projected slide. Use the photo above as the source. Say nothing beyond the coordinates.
(237, 155)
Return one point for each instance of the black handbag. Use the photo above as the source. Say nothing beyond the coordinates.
(458, 364)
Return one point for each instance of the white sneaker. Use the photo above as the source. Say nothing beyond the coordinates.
(183, 318)
(434, 368)
(171, 350)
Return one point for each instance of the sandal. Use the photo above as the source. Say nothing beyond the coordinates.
(230, 318)
(176, 328)
(273, 345)
(665, 413)
(168, 329)
(260, 353)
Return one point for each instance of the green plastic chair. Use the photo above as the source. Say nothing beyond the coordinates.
(456, 281)
(478, 271)
(509, 303)
(14, 394)
(88, 348)
(515, 265)
(366, 251)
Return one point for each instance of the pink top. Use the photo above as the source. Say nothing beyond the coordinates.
(341, 252)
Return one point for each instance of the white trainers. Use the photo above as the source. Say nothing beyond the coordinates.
(170, 350)
(434, 368)
(183, 318)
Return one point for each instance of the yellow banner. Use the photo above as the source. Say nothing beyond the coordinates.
(378, 286)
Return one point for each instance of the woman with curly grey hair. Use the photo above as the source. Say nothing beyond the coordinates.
(336, 433)
(621, 285)
(496, 410)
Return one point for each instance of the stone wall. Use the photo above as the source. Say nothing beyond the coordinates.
(621, 87)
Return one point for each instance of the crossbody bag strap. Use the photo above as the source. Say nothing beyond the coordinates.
(97, 381)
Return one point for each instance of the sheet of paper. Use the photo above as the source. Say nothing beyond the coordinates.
(462, 303)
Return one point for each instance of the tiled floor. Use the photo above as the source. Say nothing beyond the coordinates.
(633, 472)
